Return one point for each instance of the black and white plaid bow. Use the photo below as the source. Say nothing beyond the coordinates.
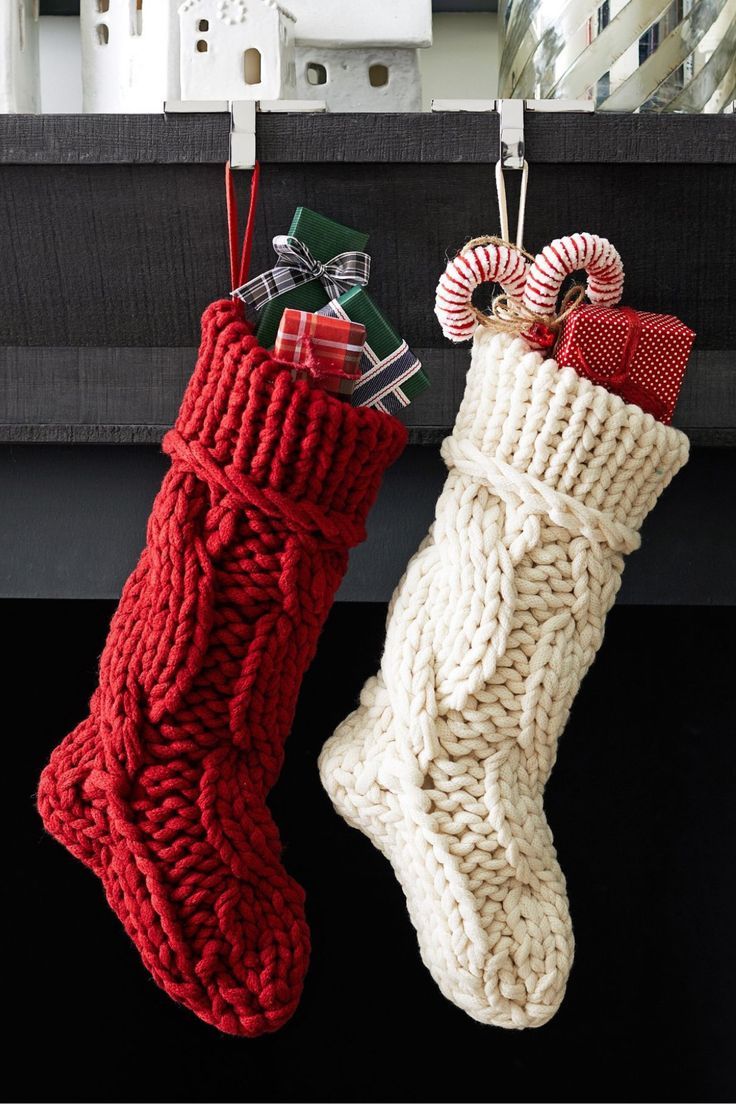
(297, 266)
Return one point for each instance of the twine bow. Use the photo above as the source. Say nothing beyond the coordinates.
(297, 265)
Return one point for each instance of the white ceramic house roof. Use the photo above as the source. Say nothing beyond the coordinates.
(284, 11)
(233, 9)
(406, 23)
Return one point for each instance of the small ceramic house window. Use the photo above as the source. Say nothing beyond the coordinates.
(316, 73)
(252, 66)
(22, 24)
(378, 76)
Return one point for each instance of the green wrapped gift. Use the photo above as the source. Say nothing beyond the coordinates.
(391, 375)
(317, 260)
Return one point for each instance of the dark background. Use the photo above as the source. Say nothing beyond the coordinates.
(641, 803)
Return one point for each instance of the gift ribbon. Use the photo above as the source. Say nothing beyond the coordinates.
(298, 266)
(381, 377)
(540, 336)
(619, 383)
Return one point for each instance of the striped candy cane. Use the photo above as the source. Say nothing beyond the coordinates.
(596, 256)
(496, 264)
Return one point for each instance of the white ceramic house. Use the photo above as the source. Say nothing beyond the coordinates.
(236, 50)
(19, 73)
(130, 54)
(361, 55)
(356, 55)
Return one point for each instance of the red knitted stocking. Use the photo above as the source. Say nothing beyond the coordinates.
(162, 789)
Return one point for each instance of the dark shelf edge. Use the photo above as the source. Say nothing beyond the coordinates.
(80, 434)
(107, 395)
(442, 137)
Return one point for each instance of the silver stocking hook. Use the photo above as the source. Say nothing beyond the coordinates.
(503, 213)
(511, 156)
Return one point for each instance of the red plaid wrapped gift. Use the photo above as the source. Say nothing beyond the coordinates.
(638, 355)
(327, 349)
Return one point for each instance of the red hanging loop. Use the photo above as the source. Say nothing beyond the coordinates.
(239, 270)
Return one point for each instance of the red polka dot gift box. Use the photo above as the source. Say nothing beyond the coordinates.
(636, 354)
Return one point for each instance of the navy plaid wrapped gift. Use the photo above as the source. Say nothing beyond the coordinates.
(327, 349)
(391, 375)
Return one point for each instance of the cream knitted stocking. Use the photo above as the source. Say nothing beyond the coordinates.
(497, 619)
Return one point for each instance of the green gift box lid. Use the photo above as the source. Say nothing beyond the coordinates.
(325, 239)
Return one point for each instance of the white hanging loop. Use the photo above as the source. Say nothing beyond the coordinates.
(503, 213)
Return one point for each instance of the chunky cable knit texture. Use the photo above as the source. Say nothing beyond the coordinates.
(497, 619)
(162, 790)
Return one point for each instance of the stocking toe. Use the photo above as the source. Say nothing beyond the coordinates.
(77, 823)
(194, 876)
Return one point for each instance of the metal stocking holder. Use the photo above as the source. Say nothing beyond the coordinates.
(512, 153)
(243, 115)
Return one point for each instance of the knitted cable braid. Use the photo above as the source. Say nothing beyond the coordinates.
(490, 632)
(162, 790)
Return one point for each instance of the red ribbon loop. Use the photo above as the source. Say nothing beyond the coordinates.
(239, 267)
(540, 335)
